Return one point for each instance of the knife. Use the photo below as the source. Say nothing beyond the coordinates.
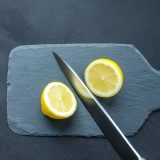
(106, 124)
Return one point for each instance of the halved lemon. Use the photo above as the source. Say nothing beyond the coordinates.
(58, 101)
(104, 77)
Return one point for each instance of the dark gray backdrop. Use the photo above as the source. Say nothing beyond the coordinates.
(72, 21)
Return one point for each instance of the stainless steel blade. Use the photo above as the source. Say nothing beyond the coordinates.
(109, 128)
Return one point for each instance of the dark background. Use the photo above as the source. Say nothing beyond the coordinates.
(72, 21)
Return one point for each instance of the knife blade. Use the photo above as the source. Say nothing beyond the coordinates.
(106, 124)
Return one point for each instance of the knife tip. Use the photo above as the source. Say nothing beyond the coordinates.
(57, 57)
(54, 54)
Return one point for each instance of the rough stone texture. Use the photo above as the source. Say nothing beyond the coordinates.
(32, 67)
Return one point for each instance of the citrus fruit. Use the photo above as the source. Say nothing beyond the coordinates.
(104, 77)
(58, 101)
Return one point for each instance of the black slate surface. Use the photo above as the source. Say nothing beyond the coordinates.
(86, 21)
(31, 68)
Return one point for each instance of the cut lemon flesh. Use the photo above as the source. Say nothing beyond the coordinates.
(104, 77)
(58, 101)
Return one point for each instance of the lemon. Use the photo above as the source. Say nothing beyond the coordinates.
(104, 77)
(58, 101)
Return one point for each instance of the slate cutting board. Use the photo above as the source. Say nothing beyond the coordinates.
(32, 67)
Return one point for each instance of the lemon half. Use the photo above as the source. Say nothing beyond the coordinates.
(58, 101)
(104, 77)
